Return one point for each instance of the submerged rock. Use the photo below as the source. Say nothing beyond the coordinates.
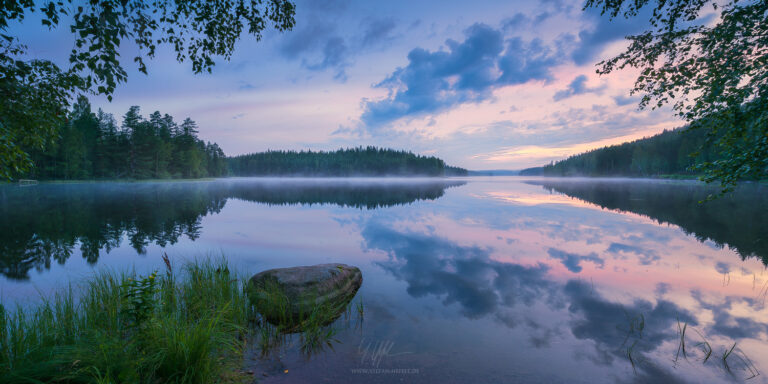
(289, 296)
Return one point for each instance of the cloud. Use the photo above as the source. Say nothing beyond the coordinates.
(335, 54)
(467, 71)
(577, 87)
(559, 5)
(572, 261)
(526, 61)
(467, 276)
(726, 324)
(723, 268)
(610, 326)
(377, 32)
(305, 40)
(662, 289)
(646, 256)
(459, 274)
(317, 44)
(622, 100)
(483, 287)
(515, 22)
(320, 46)
(520, 21)
(604, 31)
(245, 86)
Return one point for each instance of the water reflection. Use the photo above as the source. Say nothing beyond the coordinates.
(44, 223)
(466, 275)
(725, 221)
(499, 280)
(638, 330)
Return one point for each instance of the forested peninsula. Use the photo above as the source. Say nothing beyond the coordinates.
(359, 161)
(672, 152)
(92, 146)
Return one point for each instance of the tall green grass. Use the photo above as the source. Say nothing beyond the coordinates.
(184, 327)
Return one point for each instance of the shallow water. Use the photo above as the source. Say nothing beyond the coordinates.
(484, 280)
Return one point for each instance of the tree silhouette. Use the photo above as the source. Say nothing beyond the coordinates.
(715, 75)
(35, 94)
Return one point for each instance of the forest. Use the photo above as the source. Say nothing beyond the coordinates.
(49, 223)
(368, 161)
(92, 146)
(672, 152)
(723, 221)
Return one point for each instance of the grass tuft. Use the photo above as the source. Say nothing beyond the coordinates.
(122, 327)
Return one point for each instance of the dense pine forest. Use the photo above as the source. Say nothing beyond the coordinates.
(368, 161)
(674, 152)
(92, 146)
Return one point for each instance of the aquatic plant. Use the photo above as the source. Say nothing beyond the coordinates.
(681, 347)
(738, 359)
(122, 327)
(317, 330)
(360, 309)
(632, 356)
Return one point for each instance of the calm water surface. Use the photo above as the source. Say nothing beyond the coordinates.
(484, 280)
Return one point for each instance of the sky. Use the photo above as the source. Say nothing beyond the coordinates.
(482, 84)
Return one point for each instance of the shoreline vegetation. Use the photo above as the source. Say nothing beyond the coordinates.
(183, 180)
(91, 146)
(672, 154)
(357, 161)
(123, 327)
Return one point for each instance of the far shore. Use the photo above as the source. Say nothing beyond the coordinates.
(596, 177)
(93, 181)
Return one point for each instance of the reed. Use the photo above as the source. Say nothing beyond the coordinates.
(681, 329)
(360, 309)
(732, 361)
(121, 327)
(632, 356)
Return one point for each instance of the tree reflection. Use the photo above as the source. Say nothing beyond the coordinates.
(737, 220)
(44, 223)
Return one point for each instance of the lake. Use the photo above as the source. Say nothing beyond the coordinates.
(480, 279)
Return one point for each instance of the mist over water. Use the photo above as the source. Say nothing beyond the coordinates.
(736, 220)
(45, 223)
(465, 280)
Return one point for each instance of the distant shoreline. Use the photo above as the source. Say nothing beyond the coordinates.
(95, 181)
(433, 177)
(660, 177)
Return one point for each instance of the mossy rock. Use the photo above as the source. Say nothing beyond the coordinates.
(289, 296)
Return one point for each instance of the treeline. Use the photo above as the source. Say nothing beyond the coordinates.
(671, 152)
(359, 161)
(48, 223)
(92, 146)
(737, 220)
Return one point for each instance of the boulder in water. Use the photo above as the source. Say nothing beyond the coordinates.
(288, 296)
